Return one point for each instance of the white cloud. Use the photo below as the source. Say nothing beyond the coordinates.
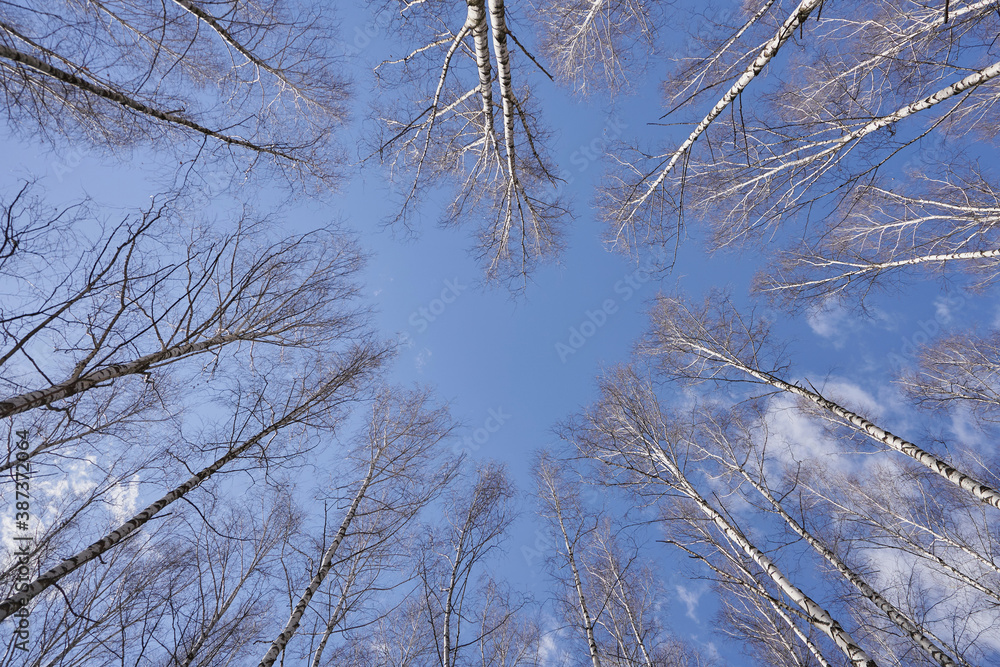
(832, 321)
(795, 436)
(942, 310)
(124, 499)
(550, 649)
(423, 358)
(690, 598)
(967, 431)
(853, 397)
(829, 320)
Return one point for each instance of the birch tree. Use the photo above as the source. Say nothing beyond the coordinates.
(737, 444)
(941, 220)
(254, 82)
(628, 432)
(400, 638)
(439, 125)
(944, 538)
(714, 341)
(635, 198)
(768, 632)
(396, 479)
(235, 582)
(303, 402)
(511, 635)
(958, 372)
(475, 520)
(571, 525)
(454, 612)
(858, 529)
(866, 92)
(630, 592)
(597, 45)
(607, 585)
(124, 306)
(192, 592)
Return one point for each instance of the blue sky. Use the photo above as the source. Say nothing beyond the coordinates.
(531, 361)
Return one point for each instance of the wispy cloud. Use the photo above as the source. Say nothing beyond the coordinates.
(690, 598)
(829, 320)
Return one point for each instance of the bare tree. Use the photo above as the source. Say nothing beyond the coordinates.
(510, 636)
(634, 199)
(715, 341)
(447, 131)
(239, 76)
(123, 307)
(597, 45)
(455, 614)
(628, 432)
(396, 481)
(608, 588)
(305, 401)
(737, 443)
(475, 521)
(399, 639)
(234, 578)
(191, 592)
(863, 91)
(629, 592)
(561, 506)
(944, 538)
(765, 628)
(941, 221)
(957, 372)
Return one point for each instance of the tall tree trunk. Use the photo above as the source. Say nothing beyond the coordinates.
(279, 643)
(770, 50)
(816, 614)
(125, 101)
(480, 37)
(588, 623)
(901, 621)
(54, 574)
(74, 385)
(979, 490)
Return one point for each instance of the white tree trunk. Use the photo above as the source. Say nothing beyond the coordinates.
(476, 18)
(41, 397)
(770, 50)
(979, 490)
(279, 643)
(130, 103)
(54, 574)
(903, 622)
(817, 615)
(588, 623)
